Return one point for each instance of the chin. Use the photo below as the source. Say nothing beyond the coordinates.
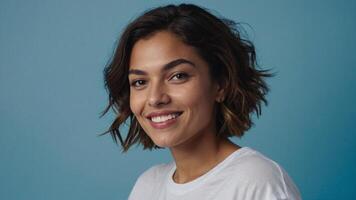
(164, 143)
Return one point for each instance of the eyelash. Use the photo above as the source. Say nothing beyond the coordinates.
(184, 76)
(133, 83)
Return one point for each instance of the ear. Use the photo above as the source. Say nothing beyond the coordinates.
(220, 93)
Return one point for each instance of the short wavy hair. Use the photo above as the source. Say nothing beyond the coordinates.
(231, 59)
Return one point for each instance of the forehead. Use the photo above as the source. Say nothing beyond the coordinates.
(159, 49)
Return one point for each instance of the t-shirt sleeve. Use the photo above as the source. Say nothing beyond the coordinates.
(276, 187)
(263, 179)
(143, 185)
(137, 192)
(148, 182)
(290, 188)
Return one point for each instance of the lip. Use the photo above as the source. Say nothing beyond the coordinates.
(165, 124)
(159, 113)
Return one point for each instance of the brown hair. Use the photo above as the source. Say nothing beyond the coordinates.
(231, 59)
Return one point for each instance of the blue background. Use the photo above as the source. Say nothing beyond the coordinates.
(52, 54)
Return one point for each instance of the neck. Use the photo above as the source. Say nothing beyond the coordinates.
(199, 156)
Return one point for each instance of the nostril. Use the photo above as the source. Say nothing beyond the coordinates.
(159, 100)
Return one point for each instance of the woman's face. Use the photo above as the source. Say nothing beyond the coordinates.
(171, 92)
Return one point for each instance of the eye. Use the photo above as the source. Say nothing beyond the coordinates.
(138, 83)
(180, 76)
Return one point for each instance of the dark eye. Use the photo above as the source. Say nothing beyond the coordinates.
(179, 76)
(138, 83)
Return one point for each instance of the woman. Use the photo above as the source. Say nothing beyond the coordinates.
(187, 81)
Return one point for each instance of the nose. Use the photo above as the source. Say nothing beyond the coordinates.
(158, 95)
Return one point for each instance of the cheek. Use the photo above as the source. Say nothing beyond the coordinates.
(135, 104)
(197, 96)
(202, 104)
(199, 91)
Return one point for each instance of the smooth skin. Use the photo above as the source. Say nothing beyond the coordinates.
(167, 75)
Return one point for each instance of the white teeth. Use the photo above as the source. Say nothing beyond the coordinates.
(163, 118)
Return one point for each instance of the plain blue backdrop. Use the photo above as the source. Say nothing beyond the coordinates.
(52, 54)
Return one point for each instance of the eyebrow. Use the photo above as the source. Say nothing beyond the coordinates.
(166, 67)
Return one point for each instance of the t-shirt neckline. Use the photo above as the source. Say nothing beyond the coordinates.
(179, 188)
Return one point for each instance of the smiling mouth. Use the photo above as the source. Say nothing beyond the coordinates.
(164, 118)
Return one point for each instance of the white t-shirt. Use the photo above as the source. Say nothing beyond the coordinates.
(244, 175)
